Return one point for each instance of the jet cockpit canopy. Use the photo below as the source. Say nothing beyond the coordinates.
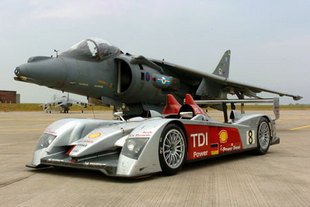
(91, 49)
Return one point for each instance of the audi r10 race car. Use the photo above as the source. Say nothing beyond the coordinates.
(161, 143)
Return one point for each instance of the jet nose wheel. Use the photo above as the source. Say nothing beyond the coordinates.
(172, 149)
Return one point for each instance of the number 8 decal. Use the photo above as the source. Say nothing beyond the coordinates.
(250, 137)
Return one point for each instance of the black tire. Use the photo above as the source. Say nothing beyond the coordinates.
(263, 136)
(172, 149)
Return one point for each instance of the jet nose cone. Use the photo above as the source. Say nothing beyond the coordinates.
(50, 72)
(17, 71)
(20, 75)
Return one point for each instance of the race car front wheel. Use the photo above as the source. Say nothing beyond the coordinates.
(172, 149)
(263, 136)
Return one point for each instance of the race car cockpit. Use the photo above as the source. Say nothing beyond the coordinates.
(189, 110)
(92, 49)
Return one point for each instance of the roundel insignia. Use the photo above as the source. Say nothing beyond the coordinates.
(223, 135)
(147, 76)
(94, 135)
(163, 80)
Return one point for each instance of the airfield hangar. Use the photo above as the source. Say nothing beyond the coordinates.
(9, 97)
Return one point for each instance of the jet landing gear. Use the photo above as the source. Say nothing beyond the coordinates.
(66, 110)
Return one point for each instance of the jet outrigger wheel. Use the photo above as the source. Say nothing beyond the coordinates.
(172, 149)
(263, 136)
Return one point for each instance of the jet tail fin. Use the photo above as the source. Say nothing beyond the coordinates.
(222, 68)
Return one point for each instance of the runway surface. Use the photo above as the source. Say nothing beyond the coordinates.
(279, 178)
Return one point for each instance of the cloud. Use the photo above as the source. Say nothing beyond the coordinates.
(80, 9)
(73, 9)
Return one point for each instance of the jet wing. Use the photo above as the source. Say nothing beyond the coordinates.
(192, 77)
(201, 80)
(250, 90)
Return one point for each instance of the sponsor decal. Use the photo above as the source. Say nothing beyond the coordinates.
(205, 141)
(214, 148)
(199, 143)
(89, 141)
(223, 135)
(231, 148)
(200, 154)
(142, 134)
(94, 135)
(250, 137)
(199, 139)
(214, 145)
(214, 152)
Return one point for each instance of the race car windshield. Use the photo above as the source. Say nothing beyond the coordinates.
(91, 50)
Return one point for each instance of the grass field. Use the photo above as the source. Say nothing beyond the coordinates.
(36, 107)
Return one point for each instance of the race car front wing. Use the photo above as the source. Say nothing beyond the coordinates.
(107, 163)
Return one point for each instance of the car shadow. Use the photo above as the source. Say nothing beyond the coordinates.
(99, 176)
(92, 175)
(210, 162)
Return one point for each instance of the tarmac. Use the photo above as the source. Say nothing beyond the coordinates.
(279, 178)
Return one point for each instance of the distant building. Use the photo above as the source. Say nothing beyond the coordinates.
(9, 97)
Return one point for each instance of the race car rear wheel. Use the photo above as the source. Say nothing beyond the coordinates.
(172, 149)
(263, 136)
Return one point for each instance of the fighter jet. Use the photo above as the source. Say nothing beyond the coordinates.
(99, 70)
(63, 103)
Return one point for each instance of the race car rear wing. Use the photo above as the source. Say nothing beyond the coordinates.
(274, 101)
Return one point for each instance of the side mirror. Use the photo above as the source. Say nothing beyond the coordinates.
(119, 115)
(153, 113)
(186, 115)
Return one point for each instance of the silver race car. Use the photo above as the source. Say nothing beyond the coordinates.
(161, 143)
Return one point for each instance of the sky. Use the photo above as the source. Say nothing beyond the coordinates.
(269, 40)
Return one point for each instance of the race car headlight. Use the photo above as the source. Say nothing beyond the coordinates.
(45, 141)
(133, 147)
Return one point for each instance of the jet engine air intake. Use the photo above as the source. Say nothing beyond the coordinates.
(124, 76)
(135, 83)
